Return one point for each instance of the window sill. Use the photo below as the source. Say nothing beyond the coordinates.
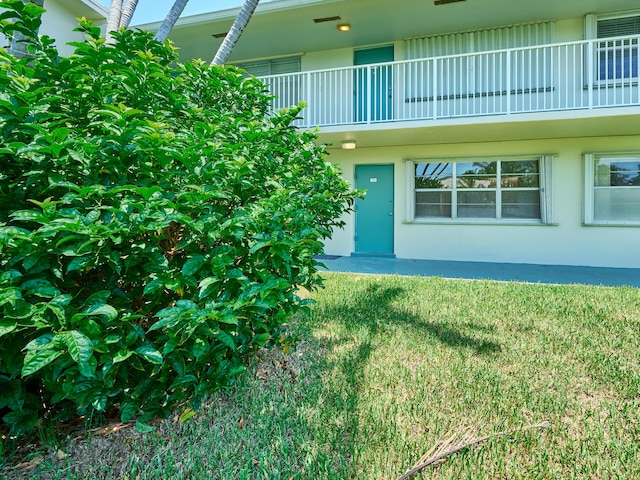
(617, 83)
(466, 96)
(484, 222)
(612, 224)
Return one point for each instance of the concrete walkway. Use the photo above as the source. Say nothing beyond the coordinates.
(553, 274)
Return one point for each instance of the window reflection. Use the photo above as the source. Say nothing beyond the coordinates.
(617, 189)
(434, 175)
(617, 173)
(477, 174)
(478, 189)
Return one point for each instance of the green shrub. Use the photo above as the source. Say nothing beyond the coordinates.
(155, 222)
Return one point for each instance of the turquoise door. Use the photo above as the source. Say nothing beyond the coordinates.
(374, 213)
(373, 85)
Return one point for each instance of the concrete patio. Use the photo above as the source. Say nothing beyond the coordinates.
(551, 274)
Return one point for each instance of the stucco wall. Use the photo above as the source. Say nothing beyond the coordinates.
(58, 22)
(567, 242)
(342, 57)
(564, 31)
(569, 30)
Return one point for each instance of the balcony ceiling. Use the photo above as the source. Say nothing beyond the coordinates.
(603, 122)
(283, 27)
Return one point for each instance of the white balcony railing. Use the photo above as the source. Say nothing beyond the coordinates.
(567, 76)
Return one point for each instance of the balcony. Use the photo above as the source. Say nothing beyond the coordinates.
(579, 75)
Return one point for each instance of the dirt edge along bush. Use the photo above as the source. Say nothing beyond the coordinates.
(155, 221)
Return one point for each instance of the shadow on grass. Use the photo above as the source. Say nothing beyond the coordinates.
(372, 307)
(456, 339)
(363, 319)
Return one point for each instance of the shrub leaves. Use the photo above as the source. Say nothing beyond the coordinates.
(156, 220)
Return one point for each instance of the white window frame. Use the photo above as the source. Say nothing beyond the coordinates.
(590, 187)
(546, 212)
(591, 33)
(285, 86)
(293, 60)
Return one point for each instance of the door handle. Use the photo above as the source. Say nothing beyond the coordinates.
(391, 214)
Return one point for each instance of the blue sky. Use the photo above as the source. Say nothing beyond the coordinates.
(155, 10)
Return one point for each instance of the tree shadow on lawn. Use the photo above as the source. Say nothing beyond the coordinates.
(366, 317)
(372, 308)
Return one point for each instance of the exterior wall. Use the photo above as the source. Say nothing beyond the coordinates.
(566, 242)
(342, 57)
(58, 22)
(324, 59)
(564, 31)
(569, 30)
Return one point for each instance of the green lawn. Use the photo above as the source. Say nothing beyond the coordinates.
(386, 367)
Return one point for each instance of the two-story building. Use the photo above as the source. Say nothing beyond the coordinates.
(482, 130)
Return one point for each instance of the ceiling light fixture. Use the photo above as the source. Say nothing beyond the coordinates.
(348, 144)
(344, 27)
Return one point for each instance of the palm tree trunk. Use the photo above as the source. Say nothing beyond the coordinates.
(170, 20)
(127, 13)
(113, 20)
(224, 52)
(19, 41)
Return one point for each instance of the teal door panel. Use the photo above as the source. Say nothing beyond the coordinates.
(374, 213)
(373, 85)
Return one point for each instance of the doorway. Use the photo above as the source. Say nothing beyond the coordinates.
(373, 86)
(374, 214)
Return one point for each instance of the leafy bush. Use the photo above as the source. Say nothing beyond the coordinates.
(155, 220)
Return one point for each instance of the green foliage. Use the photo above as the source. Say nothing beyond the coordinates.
(155, 222)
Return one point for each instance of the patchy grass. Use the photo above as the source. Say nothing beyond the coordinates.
(386, 367)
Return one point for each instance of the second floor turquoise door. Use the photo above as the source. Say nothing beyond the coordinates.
(373, 85)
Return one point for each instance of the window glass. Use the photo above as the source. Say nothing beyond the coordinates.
(433, 204)
(476, 204)
(617, 204)
(616, 189)
(466, 189)
(617, 173)
(618, 59)
(521, 204)
(434, 175)
(477, 174)
(520, 174)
